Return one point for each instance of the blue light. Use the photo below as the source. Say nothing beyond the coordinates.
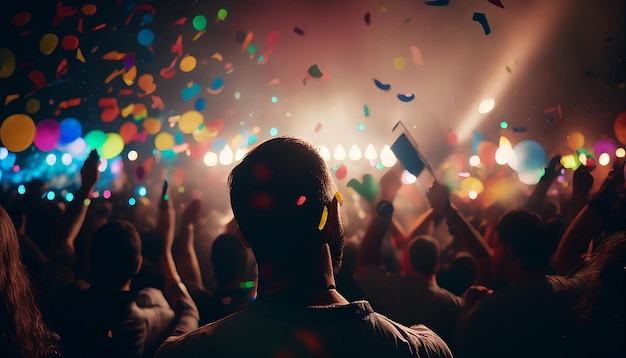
(69, 197)
(50, 196)
(142, 191)
(21, 189)
(3, 153)
(273, 131)
(274, 99)
(132, 201)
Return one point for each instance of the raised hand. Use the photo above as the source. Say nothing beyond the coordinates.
(439, 197)
(191, 213)
(391, 182)
(582, 181)
(89, 173)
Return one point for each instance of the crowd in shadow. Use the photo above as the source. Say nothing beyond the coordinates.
(284, 280)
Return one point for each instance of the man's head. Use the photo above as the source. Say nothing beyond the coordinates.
(522, 240)
(279, 193)
(424, 255)
(115, 255)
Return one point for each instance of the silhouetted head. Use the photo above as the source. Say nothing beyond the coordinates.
(278, 194)
(229, 258)
(115, 255)
(424, 254)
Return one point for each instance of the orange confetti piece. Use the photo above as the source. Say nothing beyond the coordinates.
(114, 74)
(197, 36)
(80, 25)
(247, 41)
(146, 83)
(129, 76)
(114, 56)
(275, 81)
(10, 98)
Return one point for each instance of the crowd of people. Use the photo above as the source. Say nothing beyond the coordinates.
(284, 280)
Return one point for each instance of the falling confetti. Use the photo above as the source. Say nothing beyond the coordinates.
(482, 19)
(382, 86)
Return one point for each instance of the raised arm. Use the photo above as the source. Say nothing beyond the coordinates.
(187, 316)
(538, 196)
(589, 222)
(439, 197)
(72, 219)
(370, 251)
(184, 250)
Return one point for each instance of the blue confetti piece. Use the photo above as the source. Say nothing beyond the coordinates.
(438, 3)
(482, 19)
(189, 92)
(200, 104)
(520, 129)
(406, 98)
(382, 86)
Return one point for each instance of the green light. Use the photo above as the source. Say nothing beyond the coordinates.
(504, 125)
(246, 284)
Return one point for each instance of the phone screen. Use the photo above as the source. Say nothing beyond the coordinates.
(405, 149)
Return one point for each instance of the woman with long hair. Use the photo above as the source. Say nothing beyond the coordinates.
(22, 330)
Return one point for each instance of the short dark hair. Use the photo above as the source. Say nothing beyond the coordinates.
(424, 254)
(278, 193)
(115, 254)
(229, 258)
(524, 232)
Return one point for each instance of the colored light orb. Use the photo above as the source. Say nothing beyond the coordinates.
(181, 189)
(51, 159)
(66, 159)
(274, 99)
(504, 125)
(106, 194)
(50, 195)
(361, 126)
(604, 159)
(273, 131)
(619, 152)
(474, 160)
(472, 194)
(69, 197)
(132, 201)
(133, 155)
(4, 153)
(142, 191)
(87, 201)
(21, 189)
(237, 95)
(103, 165)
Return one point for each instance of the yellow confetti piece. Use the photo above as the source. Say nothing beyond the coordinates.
(79, 55)
(323, 219)
(217, 56)
(129, 76)
(126, 111)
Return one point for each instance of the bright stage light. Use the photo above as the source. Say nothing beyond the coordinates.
(370, 152)
(387, 157)
(355, 152)
(486, 106)
(339, 153)
(210, 159)
(226, 156)
(604, 159)
(474, 160)
(51, 159)
(133, 155)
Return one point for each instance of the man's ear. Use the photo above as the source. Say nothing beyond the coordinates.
(139, 263)
(329, 230)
